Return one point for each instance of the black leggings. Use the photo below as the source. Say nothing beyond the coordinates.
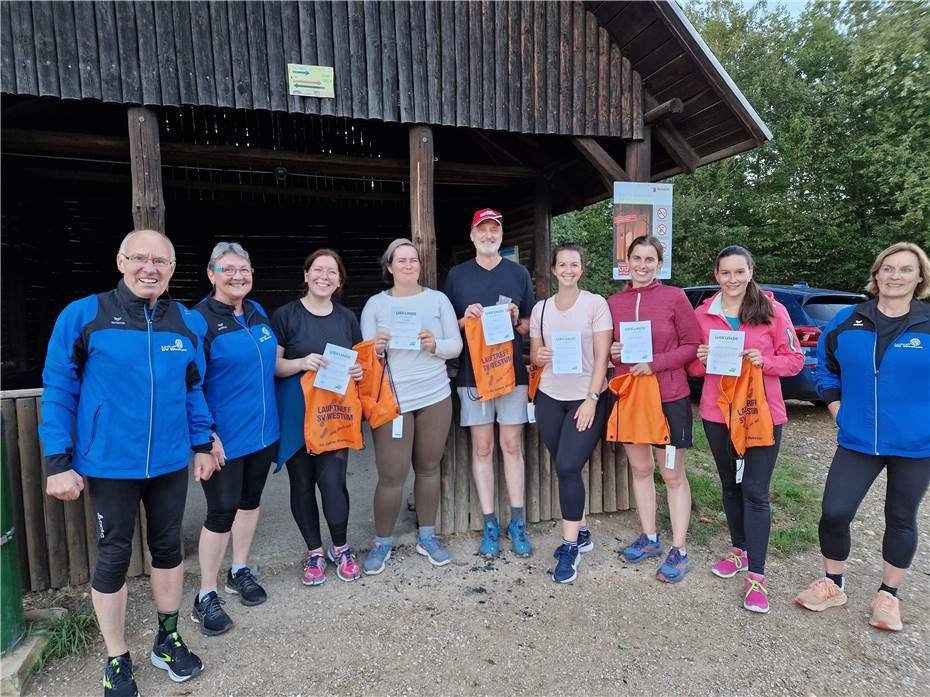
(328, 472)
(746, 505)
(569, 447)
(238, 485)
(850, 477)
(116, 505)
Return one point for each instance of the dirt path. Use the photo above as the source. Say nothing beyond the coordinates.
(477, 628)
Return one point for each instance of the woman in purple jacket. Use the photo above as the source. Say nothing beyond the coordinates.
(675, 338)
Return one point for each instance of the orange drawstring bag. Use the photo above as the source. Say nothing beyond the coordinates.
(492, 365)
(637, 415)
(535, 371)
(332, 421)
(379, 404)
(745, 409)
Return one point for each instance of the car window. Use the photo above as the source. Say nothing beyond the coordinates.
(822, 308)
(789, 300)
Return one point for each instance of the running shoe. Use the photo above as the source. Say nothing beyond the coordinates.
(174, 656)
(210, 615)
(568, 557)
(344, 559)
(118, 680)
(314, 569)
(886, 612)
(643, 548)
(674, 567)
(585, 542)
(243, 584)
(374, 562)
(757, 597)
(490, 546)
(732, 564)
(519, 544)
(431, 547)
(821, 595)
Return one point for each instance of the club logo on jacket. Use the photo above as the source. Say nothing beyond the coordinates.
(914, 343)
(178, 345)
(266, 335)
(117, 320)
(220, 326)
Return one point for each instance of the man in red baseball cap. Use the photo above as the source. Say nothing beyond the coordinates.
(489, 279)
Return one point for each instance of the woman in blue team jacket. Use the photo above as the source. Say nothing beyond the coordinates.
(239, 386)
(873, 371)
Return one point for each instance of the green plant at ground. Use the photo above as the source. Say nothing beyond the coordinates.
(69, 634)
(795, 500)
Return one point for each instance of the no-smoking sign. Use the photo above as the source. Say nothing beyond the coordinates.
(662, 229)
(661, 213)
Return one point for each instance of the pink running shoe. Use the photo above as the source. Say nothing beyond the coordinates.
(757, 598)
(821, 595)
(731, 564)
(346, 568)
(315, 568)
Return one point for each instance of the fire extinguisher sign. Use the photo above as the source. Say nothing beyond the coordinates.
(641, 209)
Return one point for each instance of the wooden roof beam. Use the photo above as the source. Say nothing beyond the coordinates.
(663, 111)
(607, 167)
(107, 147)
(674, 143)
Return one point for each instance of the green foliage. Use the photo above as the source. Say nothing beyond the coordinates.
(845, 90)
(70, 634)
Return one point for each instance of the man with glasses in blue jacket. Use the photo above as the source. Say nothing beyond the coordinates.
(122, 409)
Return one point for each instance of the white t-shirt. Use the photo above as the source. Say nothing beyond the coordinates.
(420, 378)
(589, 314)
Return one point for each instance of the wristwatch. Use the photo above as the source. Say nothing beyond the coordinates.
(594, 395)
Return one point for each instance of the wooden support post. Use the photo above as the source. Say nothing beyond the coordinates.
(33, 483)
(422, 222)
(148, 202)
(639, 157)
(445, 519)
(542, 239)
(462, 476)
(531, 457)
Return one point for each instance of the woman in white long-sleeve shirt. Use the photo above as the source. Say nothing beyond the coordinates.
(421, 386)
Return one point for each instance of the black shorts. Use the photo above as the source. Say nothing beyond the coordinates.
(679, 417)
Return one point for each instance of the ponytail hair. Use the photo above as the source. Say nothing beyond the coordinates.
(756, 307)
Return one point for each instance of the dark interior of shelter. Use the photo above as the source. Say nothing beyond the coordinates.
(63, 216)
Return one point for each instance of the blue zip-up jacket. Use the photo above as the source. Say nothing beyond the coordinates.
(239, 384)
(123, 396)
(885, 405)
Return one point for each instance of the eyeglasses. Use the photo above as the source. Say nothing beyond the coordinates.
(142, 260)
(231, 271)
(330, 273)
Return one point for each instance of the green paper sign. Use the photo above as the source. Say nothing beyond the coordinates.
(310, 80)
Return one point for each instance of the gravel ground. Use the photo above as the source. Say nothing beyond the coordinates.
(503, 627)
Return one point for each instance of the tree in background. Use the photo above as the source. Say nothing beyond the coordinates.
(845, 89)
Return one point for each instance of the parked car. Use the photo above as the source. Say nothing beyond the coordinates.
(810, 310)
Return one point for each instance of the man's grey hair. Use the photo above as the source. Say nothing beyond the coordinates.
(122, 245)
(222, 248)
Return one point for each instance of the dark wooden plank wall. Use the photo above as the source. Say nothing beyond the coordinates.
(533, 67)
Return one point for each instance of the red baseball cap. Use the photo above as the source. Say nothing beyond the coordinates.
(487, 214)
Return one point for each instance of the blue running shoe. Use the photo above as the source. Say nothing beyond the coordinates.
(432, 548)
(519, 543)
(585, 543)
(643, 548)
(489, 541)
(374, 562)
(674, 567)
(568, 558)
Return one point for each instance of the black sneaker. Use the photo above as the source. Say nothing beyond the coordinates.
(245, 586)
(173, 655)
(117, 678)
(210, 615)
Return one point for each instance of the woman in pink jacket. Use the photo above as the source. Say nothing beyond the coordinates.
(770, 342)
(675, 338)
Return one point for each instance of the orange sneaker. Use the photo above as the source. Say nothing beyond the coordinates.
(820, 595)
(886, 614)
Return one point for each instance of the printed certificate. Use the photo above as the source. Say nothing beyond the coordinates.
(636, 338)
(335, 376)
(725, 352)
(497, 325)
(404, 327)
(566, 353)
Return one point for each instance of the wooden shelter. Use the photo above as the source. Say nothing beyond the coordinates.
(177, 116)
